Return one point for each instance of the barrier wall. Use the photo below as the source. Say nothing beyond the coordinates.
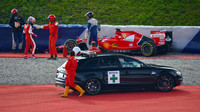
(185, 38)
(42, 42)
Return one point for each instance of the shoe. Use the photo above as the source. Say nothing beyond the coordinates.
(55, 57)
(33, 56)
(79, 89)
(66, 92)
(51, 58)
(25, 57)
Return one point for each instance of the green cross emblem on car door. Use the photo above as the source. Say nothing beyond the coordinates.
(113, 78)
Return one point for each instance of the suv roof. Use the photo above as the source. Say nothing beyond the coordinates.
(101, 55)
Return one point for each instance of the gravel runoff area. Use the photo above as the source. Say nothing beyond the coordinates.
(19, 71)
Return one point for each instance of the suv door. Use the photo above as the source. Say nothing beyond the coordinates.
(111, 71)
(87, 69)
(136, 73)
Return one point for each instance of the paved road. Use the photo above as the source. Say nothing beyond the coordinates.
(42, 71)
(43, 98)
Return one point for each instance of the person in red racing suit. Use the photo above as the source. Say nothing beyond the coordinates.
(94, 49)
(70, 68)
(28, 30)
(53, 30)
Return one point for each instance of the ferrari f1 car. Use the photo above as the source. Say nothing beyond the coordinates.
(119, 72)
(130, 41)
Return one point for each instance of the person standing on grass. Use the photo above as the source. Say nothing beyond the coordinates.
(16, 22)
(28, 30)
(53, 30)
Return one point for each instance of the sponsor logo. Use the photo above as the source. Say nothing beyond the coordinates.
(131, 45)
(106, 45)
(124, 35)
(114, 46)
(158, 35)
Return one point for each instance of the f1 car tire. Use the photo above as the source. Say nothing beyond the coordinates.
(148, 49)
(70, 44)
(93, 86)
(165, 83)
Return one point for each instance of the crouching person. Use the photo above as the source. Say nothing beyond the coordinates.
(94, 49)
(70, 68)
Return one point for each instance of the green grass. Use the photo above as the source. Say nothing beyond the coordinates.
(112, 12)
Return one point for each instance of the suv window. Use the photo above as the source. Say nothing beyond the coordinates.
(90, 64)
(108, 63)
(129, 63)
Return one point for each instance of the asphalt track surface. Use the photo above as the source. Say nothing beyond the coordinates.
(27, 85)
(45, 98)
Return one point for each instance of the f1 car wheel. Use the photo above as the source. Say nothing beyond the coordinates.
(93, 86)
(70, 44)
(165, 83)
(148, 49)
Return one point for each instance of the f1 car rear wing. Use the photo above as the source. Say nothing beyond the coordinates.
(161, 37)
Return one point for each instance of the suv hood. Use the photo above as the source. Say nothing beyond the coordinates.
(160, 66)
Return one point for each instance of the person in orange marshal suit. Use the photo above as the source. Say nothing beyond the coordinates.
(70, 68)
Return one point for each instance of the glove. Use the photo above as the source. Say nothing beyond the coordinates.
(86, 35)
(39, 27)
(35, 35)
(17, 24)
(98, 34)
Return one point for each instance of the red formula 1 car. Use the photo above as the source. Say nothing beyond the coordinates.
(130, 41)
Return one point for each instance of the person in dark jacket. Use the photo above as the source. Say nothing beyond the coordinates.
(16, 22)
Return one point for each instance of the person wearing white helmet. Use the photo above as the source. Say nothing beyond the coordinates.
(77, 50)
(28, 30)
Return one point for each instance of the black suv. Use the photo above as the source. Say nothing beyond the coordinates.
(117, 72)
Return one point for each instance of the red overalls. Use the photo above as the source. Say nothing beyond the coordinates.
(94, 49)
(28, 30)
(70, 67)
(53, 30)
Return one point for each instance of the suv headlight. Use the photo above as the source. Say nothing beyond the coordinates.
(178, 72)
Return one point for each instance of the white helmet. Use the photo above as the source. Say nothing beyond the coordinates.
(31, 20)
(77, 50)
